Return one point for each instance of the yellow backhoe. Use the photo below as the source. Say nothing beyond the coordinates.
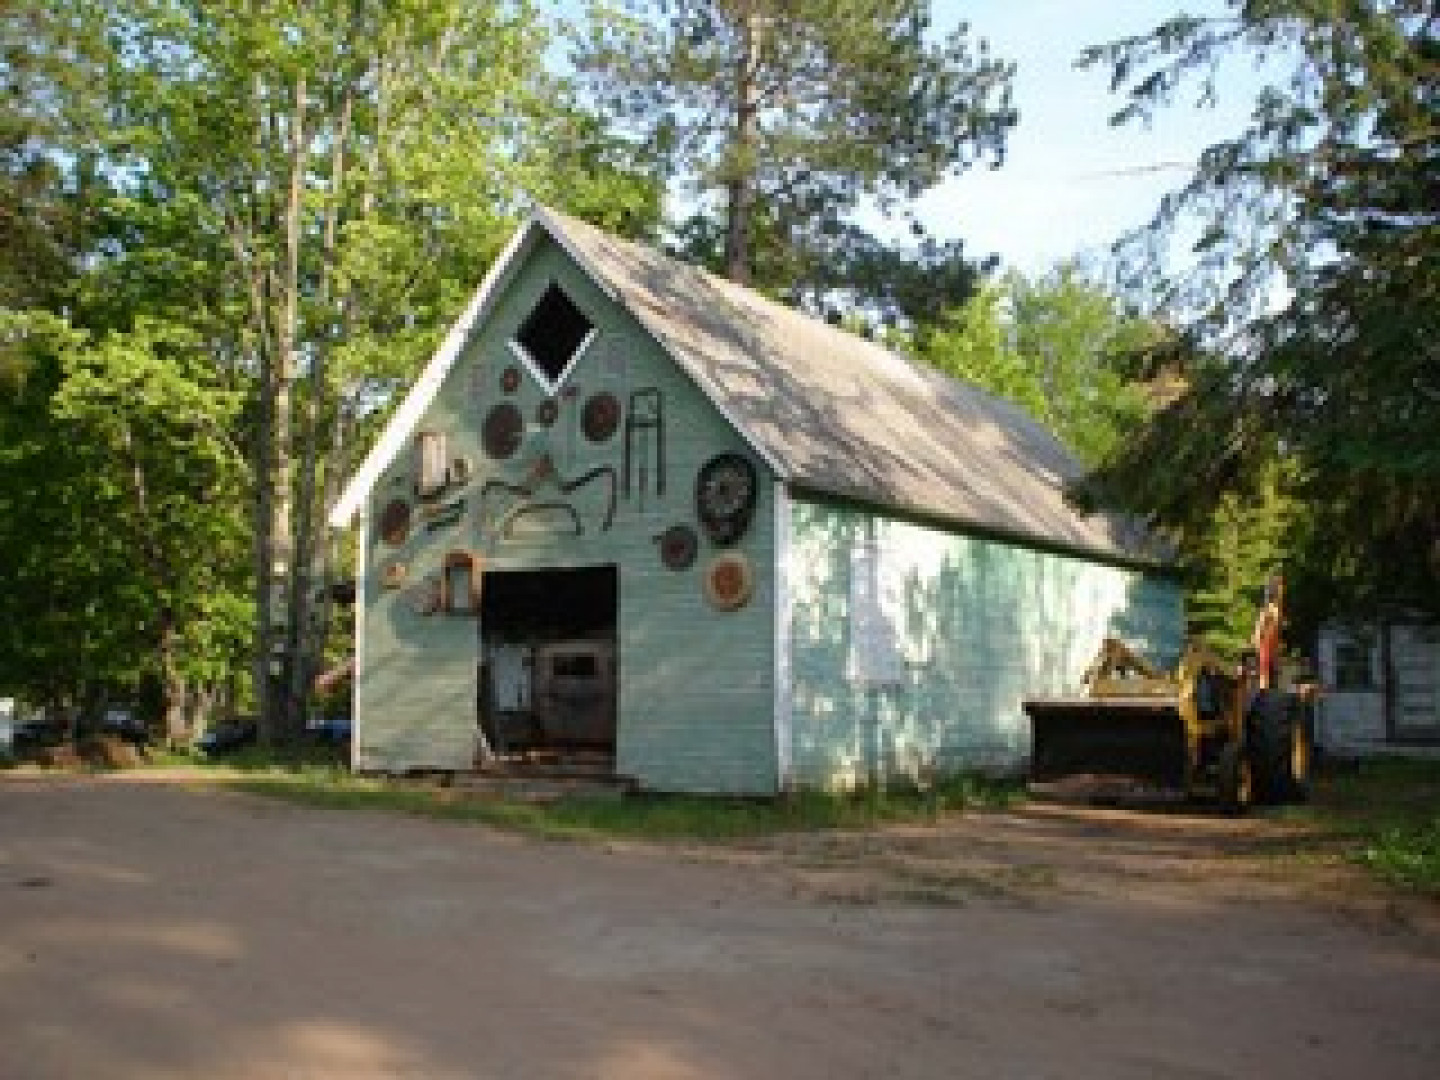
(1209, 729)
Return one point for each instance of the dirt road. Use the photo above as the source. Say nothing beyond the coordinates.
(152, 930)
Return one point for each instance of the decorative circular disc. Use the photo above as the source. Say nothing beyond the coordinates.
(547, 412)
(600, 417)
(504, 428)
(725, 492)
(395, 522)
(678, 547)
(729, 581)
(510, 380)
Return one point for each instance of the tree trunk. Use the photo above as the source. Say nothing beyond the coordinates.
(311, 613)
(200, 699)
(245, 224)
(172, 683)
(740, 184)
(285, 719)
(324, 605)
(264, 555)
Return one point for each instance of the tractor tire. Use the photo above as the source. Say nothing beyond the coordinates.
(1302, 750)
(1279, 745)
(1236, 780)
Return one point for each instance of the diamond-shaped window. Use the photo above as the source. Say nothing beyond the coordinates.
(553, 336)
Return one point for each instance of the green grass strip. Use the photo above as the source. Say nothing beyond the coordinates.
(655, 817)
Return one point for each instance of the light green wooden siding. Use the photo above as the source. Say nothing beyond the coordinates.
(979, 624)
(695, 701)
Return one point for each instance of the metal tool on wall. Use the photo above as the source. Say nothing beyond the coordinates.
(519, 491)
(524, 493)
(644, 421)
(607, 471)
(506, 528)
(441, 517)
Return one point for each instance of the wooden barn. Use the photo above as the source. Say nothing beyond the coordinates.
(636, 514)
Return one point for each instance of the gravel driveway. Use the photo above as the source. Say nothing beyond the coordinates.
(157, 930)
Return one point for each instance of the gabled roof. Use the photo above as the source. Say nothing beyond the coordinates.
(829, 411)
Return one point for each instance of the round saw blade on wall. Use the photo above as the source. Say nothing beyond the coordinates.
(395, 522)
(725, 492)
(600, 416)
(678, 547)
(503, 431)
(729, 581)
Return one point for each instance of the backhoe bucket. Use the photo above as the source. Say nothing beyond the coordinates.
(1140, 739)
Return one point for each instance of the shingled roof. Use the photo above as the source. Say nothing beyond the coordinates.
(832, 413)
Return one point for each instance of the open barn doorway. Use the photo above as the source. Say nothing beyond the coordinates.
(548, 668)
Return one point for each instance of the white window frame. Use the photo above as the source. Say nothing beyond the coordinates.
(529, 362)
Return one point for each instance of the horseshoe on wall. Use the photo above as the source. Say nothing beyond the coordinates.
(585, 478)
(520, 491)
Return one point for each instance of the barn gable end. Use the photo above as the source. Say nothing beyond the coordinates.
(559, 477)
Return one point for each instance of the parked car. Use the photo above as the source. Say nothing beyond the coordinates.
(223, 738)
(124, 724)
(331, 730)
(33, 732)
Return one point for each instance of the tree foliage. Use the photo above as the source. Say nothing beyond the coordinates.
(1249, 534)
(237, 229)
(1332, 192)
(1059, 346)
(862, 278)
(798, 110)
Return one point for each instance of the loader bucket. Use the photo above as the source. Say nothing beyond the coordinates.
(1141, 739)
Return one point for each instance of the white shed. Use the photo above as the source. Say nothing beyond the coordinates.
(1381, 683)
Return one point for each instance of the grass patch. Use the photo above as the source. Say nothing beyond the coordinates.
(651, 817)
(301, 760)
(1386, 811)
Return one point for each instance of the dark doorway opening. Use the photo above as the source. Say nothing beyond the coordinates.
(548, 667)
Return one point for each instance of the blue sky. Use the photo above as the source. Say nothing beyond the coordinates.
(1071, 183)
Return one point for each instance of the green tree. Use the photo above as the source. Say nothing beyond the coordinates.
(346, 170)
(878, 284)
(64, 585)
(44, 67)
(1246, 538)
(802, 107)
(168, 483)
(284, 206)
(587, 170)
(1060, 346)
(1331, 191)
